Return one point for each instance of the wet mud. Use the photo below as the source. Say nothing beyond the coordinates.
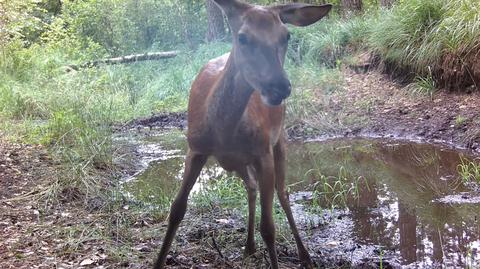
(403, 204)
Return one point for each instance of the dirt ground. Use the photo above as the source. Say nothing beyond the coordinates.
(372, 105)
(31, 237)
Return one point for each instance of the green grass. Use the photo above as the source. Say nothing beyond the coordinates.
(334, 192)
(73, 113)
(424, 85)
(417, 36)
(469, 171)
(328, 41)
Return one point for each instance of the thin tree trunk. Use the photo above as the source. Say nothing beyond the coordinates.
(351, 6)
(216, 25)
(387, 3)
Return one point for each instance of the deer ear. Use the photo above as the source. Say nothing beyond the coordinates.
(302, 14)
(231, 7)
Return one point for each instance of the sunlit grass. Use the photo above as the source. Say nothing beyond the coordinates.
(469, 171)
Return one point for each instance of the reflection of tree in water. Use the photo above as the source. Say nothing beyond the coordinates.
(407, 226)
(370, 226)
(396, 203)
(428, 173)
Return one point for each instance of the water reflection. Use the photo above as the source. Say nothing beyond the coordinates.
(396, 207)
(397, 203)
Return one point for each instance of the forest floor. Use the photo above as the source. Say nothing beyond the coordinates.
(372, 105)
(66, 234)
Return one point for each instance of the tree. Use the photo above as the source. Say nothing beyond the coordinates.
(351, 6)
(216, 26)
(387, 3)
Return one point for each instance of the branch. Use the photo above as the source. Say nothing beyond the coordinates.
(124, 59)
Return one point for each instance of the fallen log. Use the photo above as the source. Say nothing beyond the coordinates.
(124, 59)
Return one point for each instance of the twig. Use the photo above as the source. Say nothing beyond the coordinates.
(28, 195)
(217, 248)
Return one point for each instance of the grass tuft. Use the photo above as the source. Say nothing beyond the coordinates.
(469, 171)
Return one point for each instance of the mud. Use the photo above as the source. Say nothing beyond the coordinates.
(161, 120)
(410, 209)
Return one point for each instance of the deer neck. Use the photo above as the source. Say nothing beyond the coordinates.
(229, 101)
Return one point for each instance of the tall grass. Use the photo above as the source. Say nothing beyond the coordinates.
(328, 41)
(73, 113)
(469, 171)
(437, 35)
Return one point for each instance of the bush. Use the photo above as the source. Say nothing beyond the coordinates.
(440, 35)
(327, 41)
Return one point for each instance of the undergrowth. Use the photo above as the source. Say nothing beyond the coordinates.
(440, 36)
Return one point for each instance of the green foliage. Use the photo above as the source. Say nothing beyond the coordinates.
(225, 192)
(327, 41)
(20, 19)
(73, 112)
(424, 85)
(333, 192)
(416, 35)
(469, 171)
(123, 27)
(404, 36)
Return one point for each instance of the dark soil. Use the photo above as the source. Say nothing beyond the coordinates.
(23, 169)
(162, 120)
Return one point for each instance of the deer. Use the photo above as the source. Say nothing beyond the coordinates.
(236, 113)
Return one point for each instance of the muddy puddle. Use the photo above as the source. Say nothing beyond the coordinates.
(367, 200)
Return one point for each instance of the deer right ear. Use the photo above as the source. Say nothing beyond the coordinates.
(231, 7)
(302, 14)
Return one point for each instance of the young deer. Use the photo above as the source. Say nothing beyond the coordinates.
(236, 114)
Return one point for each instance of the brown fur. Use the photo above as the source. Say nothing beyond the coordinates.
(236, 114)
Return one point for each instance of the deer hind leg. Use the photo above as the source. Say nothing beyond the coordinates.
(279, 156)
(193, 165)
(249, 179)
(266, 183)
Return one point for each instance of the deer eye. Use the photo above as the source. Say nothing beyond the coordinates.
(243, 39)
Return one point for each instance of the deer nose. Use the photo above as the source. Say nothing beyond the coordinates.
(284, 89)
(281, 89)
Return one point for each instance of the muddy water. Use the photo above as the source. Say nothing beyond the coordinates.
(403, 201)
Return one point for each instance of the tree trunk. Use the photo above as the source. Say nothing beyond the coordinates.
(216, 26)
(351, 6)
(387, 3)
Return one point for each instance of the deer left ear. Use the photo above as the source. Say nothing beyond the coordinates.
(302, 14)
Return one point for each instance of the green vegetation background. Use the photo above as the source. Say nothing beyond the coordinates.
(73, 112)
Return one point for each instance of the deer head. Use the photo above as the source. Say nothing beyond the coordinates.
(260, 39)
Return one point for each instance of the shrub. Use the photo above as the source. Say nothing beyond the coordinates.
(440, 35)
(329, 40)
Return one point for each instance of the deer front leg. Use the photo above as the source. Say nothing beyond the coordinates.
(279, 156)
(249, 180)
(266, 183)
(193, 165)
